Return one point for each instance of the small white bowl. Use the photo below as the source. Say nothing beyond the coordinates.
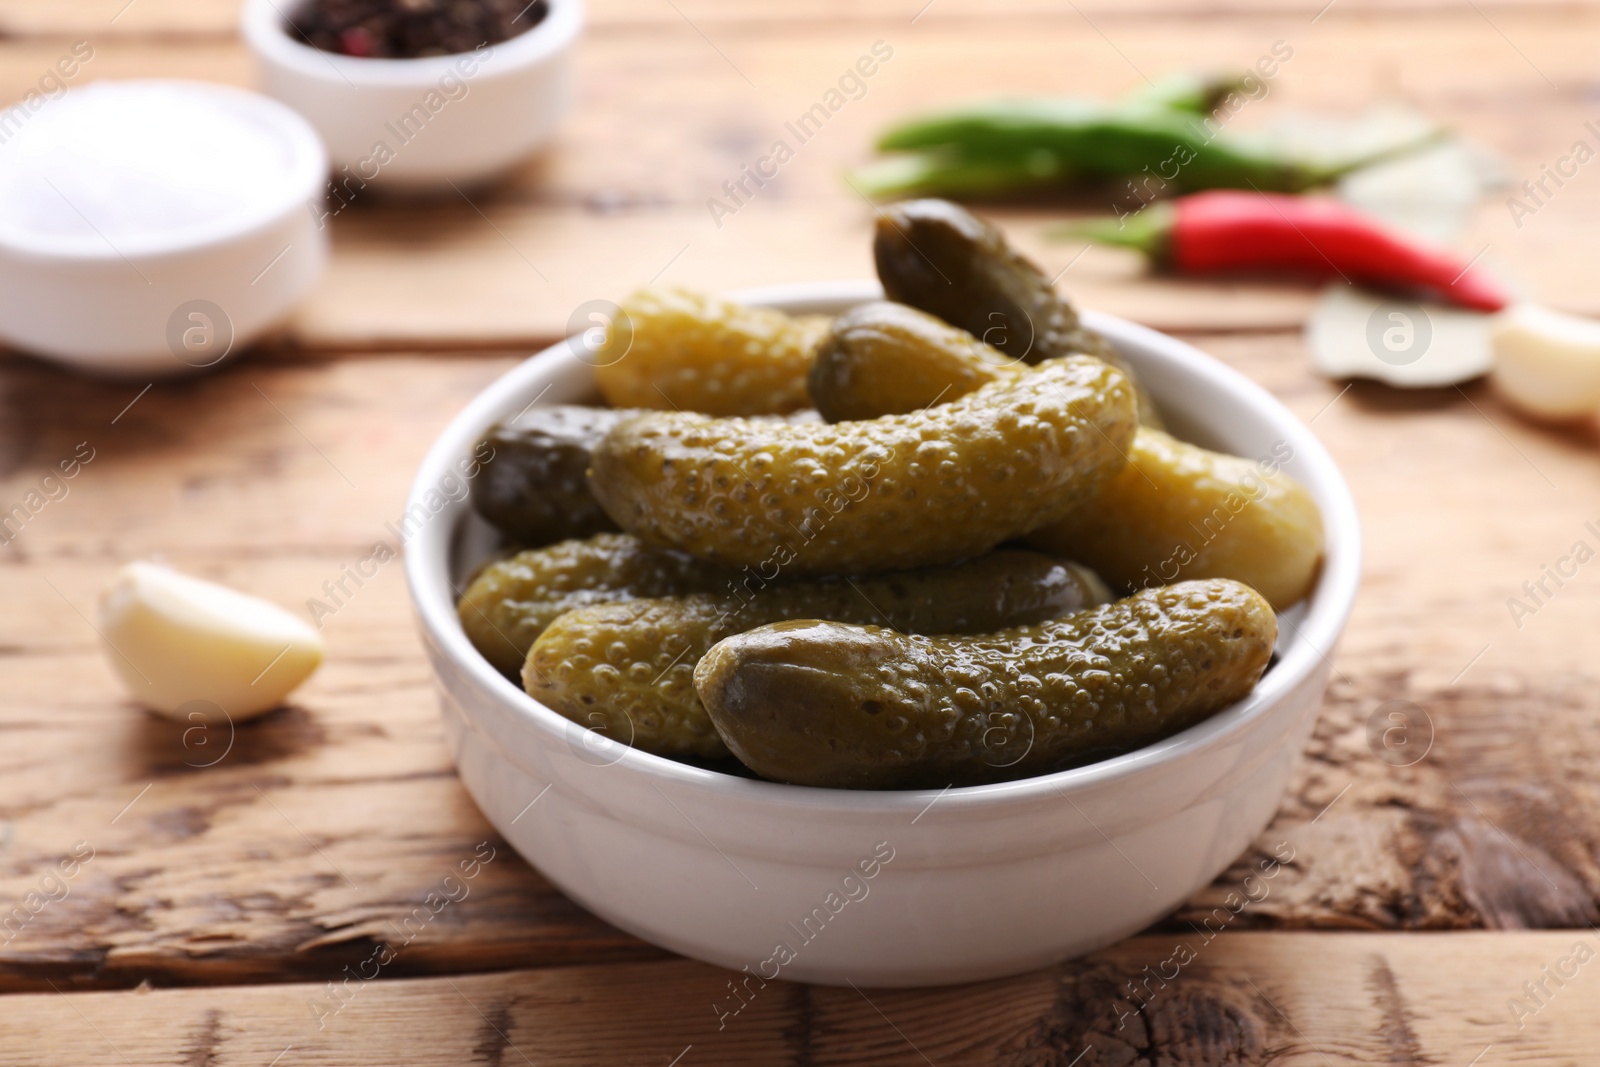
(153, 300)
(983, 881)
(421, 123)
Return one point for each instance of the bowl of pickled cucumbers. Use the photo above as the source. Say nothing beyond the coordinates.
(757, 584)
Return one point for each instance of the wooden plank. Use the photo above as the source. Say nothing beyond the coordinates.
(218, 18)
(621, 198)
(1462, 504)
(236, 872)
(292, 855)
(288, 847)
(589, 221)
(102, 20)
(1289, 999)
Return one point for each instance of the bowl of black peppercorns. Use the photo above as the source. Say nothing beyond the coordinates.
(418, 94)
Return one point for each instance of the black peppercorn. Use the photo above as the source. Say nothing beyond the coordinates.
(408, 29)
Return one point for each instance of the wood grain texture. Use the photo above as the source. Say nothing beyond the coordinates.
(621, 197)
(238, 871)
(322, 826)
(200, 19)
(291, 845)
(1475, 823)
(592, 221)
(1239, 999)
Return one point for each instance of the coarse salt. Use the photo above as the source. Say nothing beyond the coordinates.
(135, 166)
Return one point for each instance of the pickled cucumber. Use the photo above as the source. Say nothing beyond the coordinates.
(535, 486)
(511, 601)
(861, 707)
(893, 493)
(887, 359)
(1178, 511)
(676, 350)
(942, 259)
(627, 669)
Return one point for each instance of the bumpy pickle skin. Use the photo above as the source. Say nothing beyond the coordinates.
(1178, 511)
(511, 601)
(676, 350)
(627, 669)
(861, 707)
(535, 488)
(894, 493)
(888, 359)
(940, 258)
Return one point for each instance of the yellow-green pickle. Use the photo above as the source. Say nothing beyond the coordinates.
(844, 541)
(902, 491)
(940, 258)
(862, 707)
(1180, 511)
(511, 601)
(1175, 511)
(627, 669)
(888, 359)
(675, 350)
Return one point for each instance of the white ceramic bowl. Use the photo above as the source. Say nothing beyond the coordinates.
(166, 300)
(983, 881)
(438, 119)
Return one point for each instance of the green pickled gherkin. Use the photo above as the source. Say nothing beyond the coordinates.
(535, 486)
(938, 257)
(910, 490)
(1175, 511)
(511, 601)
(676, 350)
(887, 359)
(627, 669)
(862, 707)
(1179, 511)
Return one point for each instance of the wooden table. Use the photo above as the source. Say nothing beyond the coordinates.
(212, 901)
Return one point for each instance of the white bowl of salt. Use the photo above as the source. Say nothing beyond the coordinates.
(151, 228)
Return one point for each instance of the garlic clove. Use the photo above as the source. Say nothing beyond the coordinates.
(1547, 363)
(183, 643)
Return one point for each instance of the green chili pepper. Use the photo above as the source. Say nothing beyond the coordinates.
(1163, 138)
(956, 175)
(1198, 94)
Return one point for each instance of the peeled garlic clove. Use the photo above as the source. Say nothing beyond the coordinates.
(1547, 363)
(182, 643)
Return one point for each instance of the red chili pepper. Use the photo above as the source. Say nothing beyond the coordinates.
(1227, 230)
